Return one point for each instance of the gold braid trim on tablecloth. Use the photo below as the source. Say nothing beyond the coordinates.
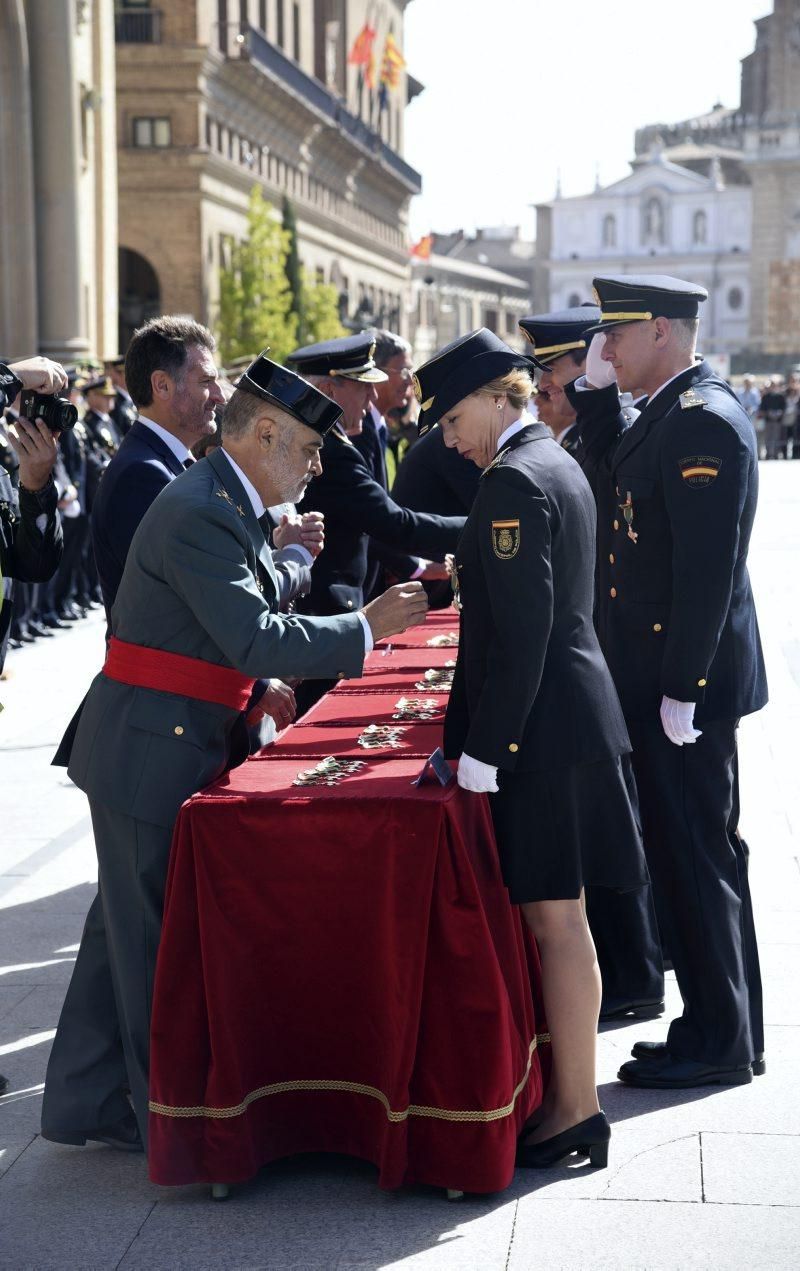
(355, 1087)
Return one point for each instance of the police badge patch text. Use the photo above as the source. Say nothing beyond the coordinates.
(700, 470)
(505, 539)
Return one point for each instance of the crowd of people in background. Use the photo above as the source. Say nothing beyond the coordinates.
(772, 407)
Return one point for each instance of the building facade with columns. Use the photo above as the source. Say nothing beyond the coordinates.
(714, 199)
(216, 96)
(58, 197)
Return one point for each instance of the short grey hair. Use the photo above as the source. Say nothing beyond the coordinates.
(388, 345)
(244, 408)
(686, 330)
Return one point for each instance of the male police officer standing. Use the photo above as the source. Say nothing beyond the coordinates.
(623, 924)
(682, 644)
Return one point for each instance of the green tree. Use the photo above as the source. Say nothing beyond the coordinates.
(293, 271)
(320, 311)
(255, 304)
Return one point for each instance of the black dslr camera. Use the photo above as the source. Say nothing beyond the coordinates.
(57, 412)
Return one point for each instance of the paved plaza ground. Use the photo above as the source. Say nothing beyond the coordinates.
(697, 1179)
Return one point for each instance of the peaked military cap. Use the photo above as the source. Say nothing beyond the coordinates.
(554, 334)
(281, 387)
(641, 297)
(352, 358)
(459, 369)
(99, 382)
(115, 361)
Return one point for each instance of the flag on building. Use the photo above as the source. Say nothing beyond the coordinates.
(361, 53)
(422, 250)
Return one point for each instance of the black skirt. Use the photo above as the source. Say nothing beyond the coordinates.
(568, 828)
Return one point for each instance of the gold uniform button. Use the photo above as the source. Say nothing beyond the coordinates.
(613, 593)
(178, 730)
(612, 558)
(513, 748)
(702, 683)
(616, 525)
(656, 626)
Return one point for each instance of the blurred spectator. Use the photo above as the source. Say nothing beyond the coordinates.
(749, 397)
(773, 406)
(123, 411)
(790, 442)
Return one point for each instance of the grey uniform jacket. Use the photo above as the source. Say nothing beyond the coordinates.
(199, 581)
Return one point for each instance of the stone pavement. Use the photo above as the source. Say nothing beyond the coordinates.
(697, 1179)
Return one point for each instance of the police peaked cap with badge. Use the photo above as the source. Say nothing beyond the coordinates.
(554, 334)
(281, 387)
(100, 383)
(458, 370)
(642, 297)
(352, 358)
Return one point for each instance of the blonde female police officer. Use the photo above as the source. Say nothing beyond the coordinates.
(533, 712)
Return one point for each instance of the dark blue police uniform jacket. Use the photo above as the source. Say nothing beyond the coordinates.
(531, 690)
(680, 619)
(357, 508)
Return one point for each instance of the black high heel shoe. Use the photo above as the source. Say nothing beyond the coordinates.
(590, 1138)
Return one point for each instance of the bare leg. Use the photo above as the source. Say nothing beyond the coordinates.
(571, 989)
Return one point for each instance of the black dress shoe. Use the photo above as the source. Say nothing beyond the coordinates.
(658, 1050)
(3, 1084)
(667, 1073)
(55, 623)
(40, 630)
(14, 643)
(68, 613)
(124, 1136)
(26, 636)
(590, 1138)
(638, 1008)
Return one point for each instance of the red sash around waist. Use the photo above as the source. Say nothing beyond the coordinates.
(173, 673)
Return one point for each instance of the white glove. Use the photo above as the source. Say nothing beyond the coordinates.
(599, 373)
(677, 720)
(480, 778)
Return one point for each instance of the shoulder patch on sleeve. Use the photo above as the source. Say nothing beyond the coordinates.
(505, 539)
(698, 470)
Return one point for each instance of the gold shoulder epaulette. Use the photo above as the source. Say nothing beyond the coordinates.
(691, 398)
(500, 455)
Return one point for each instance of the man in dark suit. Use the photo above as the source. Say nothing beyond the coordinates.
(623, 924)
(681, 639)
(173, 382)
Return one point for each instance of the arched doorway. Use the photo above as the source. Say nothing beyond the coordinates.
(139, 294)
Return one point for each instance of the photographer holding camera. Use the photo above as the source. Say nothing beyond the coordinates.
(30, 529)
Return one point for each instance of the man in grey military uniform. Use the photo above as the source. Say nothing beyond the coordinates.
(194, 624)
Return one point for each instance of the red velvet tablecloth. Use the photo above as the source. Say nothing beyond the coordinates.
(341, 970)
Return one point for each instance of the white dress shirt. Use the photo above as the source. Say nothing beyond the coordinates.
(179, 448)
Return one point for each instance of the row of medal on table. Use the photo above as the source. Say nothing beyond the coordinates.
(330, 770)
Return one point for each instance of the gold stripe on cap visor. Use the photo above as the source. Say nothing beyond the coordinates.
(557, 348)
(626, 317)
